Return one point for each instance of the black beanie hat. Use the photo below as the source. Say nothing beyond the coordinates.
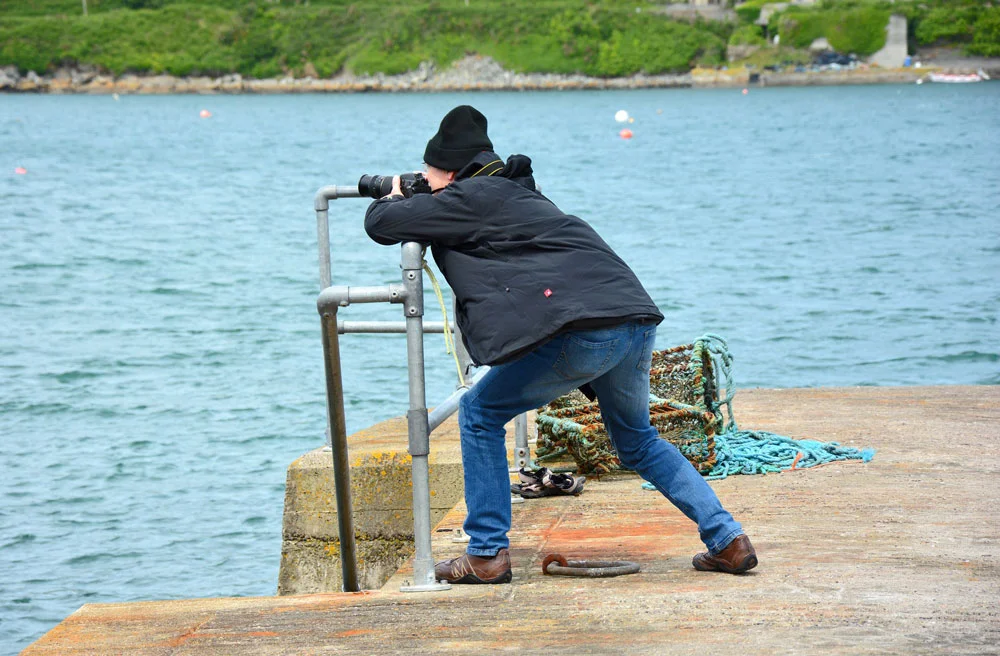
(461, 137)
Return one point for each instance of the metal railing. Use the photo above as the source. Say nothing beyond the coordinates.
(410, 294)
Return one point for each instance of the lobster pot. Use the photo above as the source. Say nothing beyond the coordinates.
(577, 430)
(682, 409)
(684, 373)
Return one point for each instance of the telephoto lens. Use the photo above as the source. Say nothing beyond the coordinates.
(375, 186)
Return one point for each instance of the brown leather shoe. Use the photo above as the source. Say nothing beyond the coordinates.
(474, 569)
(738, 557)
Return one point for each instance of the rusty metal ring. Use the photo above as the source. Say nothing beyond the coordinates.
(587, 568)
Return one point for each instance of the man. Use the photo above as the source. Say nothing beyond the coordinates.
(544, 301)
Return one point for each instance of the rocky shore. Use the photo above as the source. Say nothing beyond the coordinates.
(473, 73)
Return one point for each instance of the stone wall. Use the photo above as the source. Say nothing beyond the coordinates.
(469, 74)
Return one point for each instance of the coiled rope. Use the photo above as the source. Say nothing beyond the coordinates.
(759, 452)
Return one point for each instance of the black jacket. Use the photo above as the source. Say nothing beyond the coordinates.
(520, 269)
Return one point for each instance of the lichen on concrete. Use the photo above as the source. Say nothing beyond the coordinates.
(382, 502)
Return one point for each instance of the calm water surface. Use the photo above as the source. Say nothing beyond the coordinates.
(160, 362)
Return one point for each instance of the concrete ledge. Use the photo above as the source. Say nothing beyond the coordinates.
(382, 498)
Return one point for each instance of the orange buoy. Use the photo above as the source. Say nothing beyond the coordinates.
(625, 134)
(20, 170)
(205, 114)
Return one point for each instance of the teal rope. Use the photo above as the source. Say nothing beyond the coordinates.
(722, 365)
(737, 451)
(760, 452)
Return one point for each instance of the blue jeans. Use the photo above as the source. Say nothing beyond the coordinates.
(615, 361)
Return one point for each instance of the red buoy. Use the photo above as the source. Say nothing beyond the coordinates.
(625, 134)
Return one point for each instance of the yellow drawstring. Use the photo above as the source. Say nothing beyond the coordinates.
(449, 340)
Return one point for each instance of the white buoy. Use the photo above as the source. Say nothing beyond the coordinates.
(621, 116)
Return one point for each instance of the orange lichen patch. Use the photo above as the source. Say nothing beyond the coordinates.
(320, 602)
(113, 615)
(227, 635)
(679, 589)
(383, 459)
(352, 632)
(181, 639)
(612, 533)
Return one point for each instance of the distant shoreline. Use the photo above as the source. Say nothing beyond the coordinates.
(473, 73)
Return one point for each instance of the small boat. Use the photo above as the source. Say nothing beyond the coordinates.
(958, 78)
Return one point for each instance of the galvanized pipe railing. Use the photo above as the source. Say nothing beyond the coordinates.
(417, 424)
(337, 431)
(420, 423)
(385, 327)
(322, 205)
(449, 406)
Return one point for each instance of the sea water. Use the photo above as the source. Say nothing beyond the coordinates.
(160, 359)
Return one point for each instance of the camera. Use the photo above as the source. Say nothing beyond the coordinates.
(376, 186)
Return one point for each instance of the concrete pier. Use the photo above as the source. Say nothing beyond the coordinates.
(898, 555)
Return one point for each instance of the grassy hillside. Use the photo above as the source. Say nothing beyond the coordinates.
(269, 38)
(858, 26)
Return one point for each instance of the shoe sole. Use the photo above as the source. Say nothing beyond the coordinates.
(748, 563)
(550, 492)
(547, 491)
(473, 579)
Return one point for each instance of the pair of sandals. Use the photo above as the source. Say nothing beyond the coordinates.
(544, 483)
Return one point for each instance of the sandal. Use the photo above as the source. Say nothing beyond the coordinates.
(544, 483)
(530, 480)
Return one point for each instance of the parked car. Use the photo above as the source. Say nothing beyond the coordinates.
(830, 57)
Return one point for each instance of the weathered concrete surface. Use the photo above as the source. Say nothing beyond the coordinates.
(382, 500)
(895, 556)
